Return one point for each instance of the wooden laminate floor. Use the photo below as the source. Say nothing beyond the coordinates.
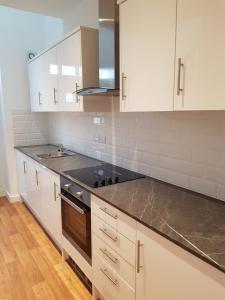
(30, 266)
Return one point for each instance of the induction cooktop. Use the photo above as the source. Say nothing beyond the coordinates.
(103, 175)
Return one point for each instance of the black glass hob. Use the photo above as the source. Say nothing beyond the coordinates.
(103, 175)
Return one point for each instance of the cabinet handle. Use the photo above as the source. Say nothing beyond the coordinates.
(24, 167)
(109, 255)
(37, 181)
(108, 234)
(106, 273)
(114, 216)
(180, 65)
(55, 99)
(75, 92)
(55, 193)
(123, 83)
(139, 245)
(39, 98)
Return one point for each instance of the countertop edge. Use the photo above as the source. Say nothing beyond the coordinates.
(92, 191)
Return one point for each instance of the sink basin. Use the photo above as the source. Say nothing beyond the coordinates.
(52, 155)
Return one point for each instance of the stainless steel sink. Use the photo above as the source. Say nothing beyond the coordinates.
(52, 155)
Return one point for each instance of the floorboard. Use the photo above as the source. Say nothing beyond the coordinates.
(31, 268)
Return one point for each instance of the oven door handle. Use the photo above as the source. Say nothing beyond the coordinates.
(76, 207)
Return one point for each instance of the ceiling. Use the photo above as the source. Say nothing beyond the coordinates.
(55, 8)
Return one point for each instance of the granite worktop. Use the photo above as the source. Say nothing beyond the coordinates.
(192, 221)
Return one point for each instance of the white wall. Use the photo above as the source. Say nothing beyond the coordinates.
(84, 13)
(20, 32)
(186, 149)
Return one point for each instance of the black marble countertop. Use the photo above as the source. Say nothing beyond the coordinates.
(192, 221)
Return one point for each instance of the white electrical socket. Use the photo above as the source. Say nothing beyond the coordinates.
(98, 120)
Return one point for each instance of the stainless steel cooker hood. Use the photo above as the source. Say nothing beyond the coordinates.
(108, 51)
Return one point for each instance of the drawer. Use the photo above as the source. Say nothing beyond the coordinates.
(112, 259)
(109, 283)
(114, 217)
(119, 243)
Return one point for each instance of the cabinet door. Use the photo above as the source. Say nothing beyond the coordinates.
(22, 174)
(169, 272)
(70, 72)
(49, 80)
(34, 71)
(147, 41)
(200, 48)
(51, 204)
(34, 188)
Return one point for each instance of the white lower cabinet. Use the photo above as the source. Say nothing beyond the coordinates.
(147, 268)
(39, 189)
(113, 252)
(167, 272)
(51, 204)
(22, 174)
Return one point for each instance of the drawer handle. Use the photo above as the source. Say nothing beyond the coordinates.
(114, 216)
(106, 273)
(108, 234)
(139, 245)
(109, 255)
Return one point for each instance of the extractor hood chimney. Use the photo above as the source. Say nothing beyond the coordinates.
(108, 51)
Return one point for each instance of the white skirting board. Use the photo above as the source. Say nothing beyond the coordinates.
(13, 197)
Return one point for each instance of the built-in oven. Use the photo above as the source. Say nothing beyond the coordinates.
(76, 217)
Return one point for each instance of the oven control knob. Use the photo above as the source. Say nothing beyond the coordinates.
(79, 195)
(96, 184)
(67, 186)
(103, 182)
(110, 181)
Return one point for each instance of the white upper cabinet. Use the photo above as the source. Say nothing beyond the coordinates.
(147, 49)
(201, 50)
(70, 72)
(57, 73)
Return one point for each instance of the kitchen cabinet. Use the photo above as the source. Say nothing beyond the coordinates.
(43, 80)
(34, 182)
(165, 271)
(51, 204)
(113, 252)
(39, 188)
(22, 174)
(147, 50)
(200, 60)
(56, 74)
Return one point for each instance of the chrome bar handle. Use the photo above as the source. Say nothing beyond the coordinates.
(37, 181)
(55, 99)
(76, 207)
(106, 273)
(24, 167)
(123, 83)
(108, 234)
(39, 98)
(109, 255)
(77, 88)
(114, 216)
(139, 245)
(55, 193)
(180, 65)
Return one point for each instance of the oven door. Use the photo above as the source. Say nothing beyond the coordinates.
(76, 224)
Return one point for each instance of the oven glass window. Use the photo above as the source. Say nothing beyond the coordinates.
(77, 226)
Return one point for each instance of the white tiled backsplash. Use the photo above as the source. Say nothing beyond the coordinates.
(182, 148)
(29, 128)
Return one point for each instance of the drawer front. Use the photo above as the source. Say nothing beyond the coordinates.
(114, 217)
(109, 283)
(112, 259)
(114, 239)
